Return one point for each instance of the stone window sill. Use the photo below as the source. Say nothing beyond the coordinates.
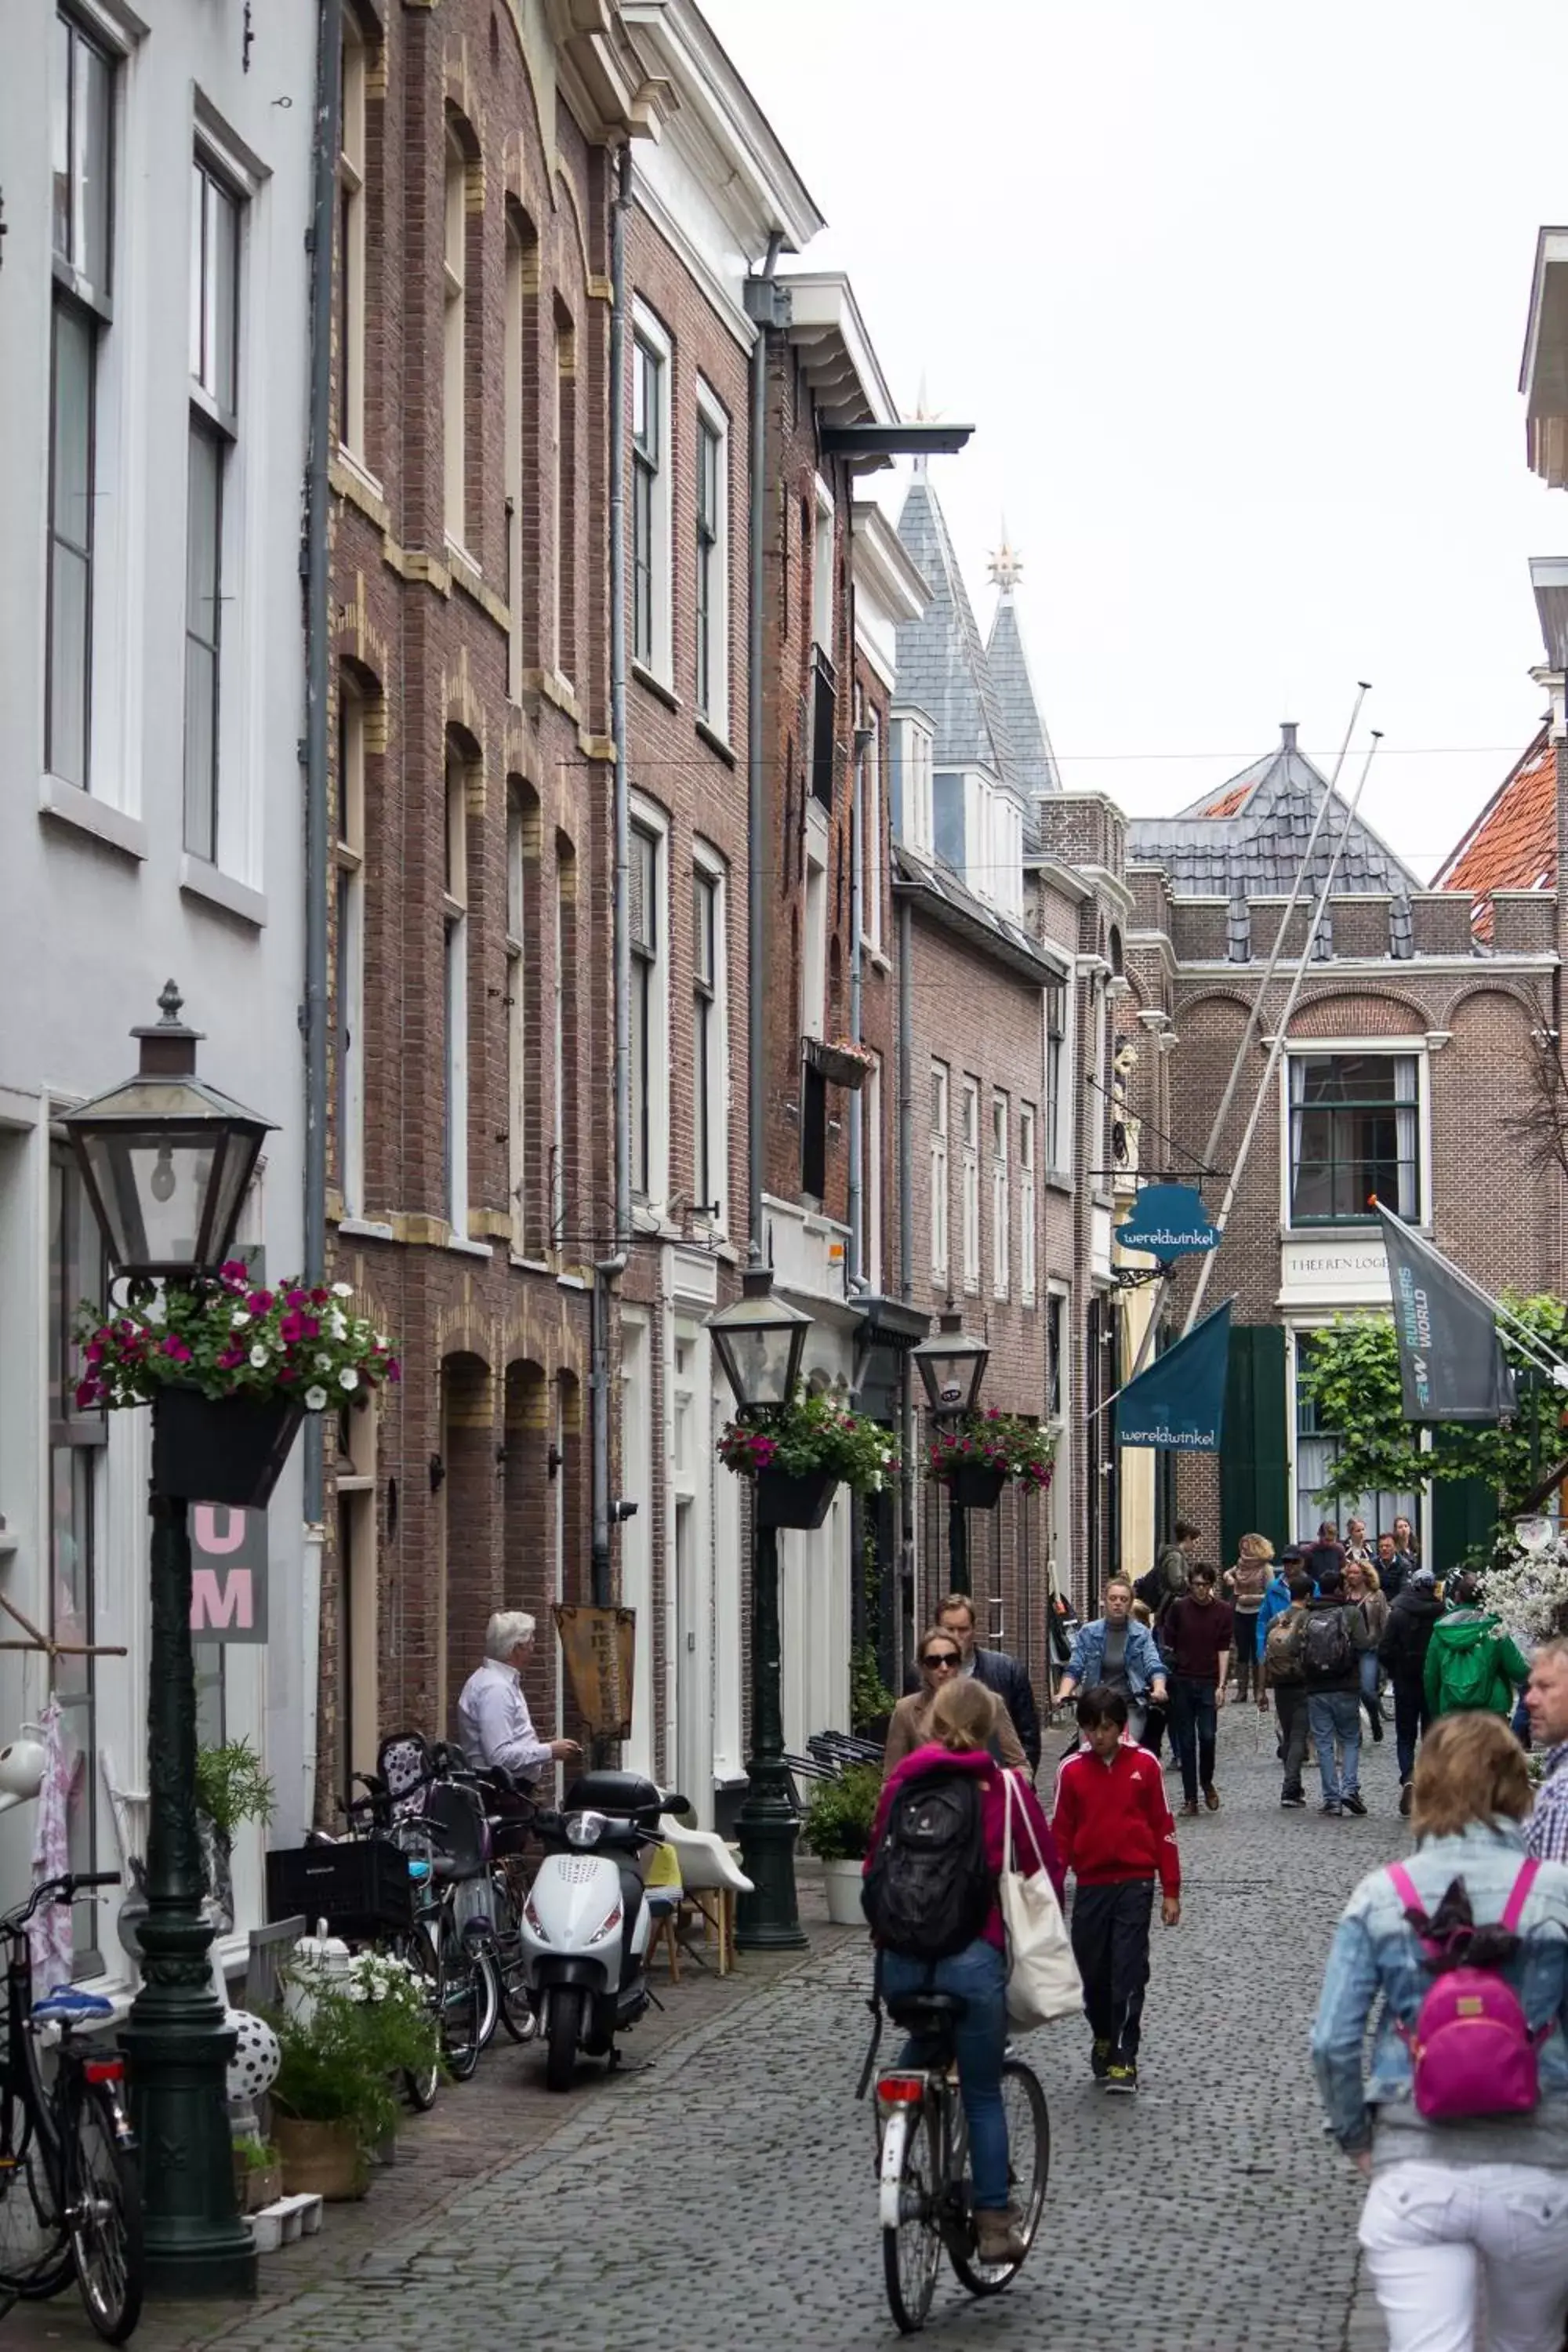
(112, 826)
(365, 1229)
(200, 880)
(655, 686)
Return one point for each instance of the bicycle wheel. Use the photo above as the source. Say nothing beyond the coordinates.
(484, 1960)
(912, 2183)
(1029, 2171)
(512, 1968)
(458, 1975)
(34, 2251)
(416, 1952)
(104, 2216)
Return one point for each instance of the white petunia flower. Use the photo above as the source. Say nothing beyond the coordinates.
(342, 1290)
(239, 1320)
(323, 1363)
(260, 1358)
(336, 1328)
(315, 1400)
(348, 1378)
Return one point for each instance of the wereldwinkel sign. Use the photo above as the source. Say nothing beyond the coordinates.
(1168, 1220)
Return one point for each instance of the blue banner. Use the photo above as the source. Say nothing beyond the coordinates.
(1178, 1405)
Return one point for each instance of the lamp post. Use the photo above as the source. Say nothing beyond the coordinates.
(166, 1161)
(760, 1341)
(952, 1367)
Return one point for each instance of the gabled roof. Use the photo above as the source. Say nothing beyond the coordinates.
(1028, 745)
(1512, 844)
(941, 662)
(1247, 840)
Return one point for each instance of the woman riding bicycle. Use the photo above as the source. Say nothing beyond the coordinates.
(937, 1922)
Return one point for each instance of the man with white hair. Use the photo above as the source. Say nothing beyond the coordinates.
(1546, 1701)
(493, 1721)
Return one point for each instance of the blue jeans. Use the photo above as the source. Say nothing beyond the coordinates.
(978, 1975)
(1335, 1714)
(1195, 1721)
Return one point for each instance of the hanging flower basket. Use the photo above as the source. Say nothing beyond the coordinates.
(811, 1438)
(786, 1499)
(221, 1449)
(841, 1062)
(989, 1445)
(977, 1489)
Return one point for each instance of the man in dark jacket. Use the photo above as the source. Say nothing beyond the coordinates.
(995, 1669)
(1393, 1567)
(1330, 1670)
(1403, 1651)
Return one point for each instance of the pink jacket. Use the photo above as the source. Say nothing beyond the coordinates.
(1033, 1845)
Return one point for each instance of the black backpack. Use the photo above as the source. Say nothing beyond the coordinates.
(1328, 1653)
(930, 1890)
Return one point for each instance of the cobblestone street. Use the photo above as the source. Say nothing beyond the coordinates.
(726, 2190)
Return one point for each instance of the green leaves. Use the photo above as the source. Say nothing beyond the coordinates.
(839, 1813)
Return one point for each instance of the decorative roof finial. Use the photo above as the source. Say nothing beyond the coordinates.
(1006, 564)
(924, 414)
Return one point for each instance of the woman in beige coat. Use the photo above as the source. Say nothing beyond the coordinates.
(941, 1661)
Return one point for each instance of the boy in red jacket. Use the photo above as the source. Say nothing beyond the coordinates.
(1115, 1834)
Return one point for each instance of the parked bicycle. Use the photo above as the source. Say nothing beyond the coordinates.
(70, 2190)
(926, 2194)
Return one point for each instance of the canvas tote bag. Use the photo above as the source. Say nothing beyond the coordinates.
(1043, 1981)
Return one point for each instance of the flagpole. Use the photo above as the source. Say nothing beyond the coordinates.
(1276, 1046)
(1255, 1016)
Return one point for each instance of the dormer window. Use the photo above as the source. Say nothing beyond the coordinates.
(914, 754)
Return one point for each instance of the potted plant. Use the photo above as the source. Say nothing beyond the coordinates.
(333, 2100)
(232, 1366)
(842, 1061)
(231, 1788)
(258, 2175)
(977, 1455)
(837, 1829)
(799, 1453)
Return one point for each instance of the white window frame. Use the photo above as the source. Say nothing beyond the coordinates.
(822, 569)
(455, 996)
(712, 566)
(709, 868)
(1058, 1088)
(871, 833)
(350, 241)
(563, 497)
(1028, 1233)
(517, 1039)
(941, 1112)
(650, 820)
(917, 785)
(1001, 1196)
(813, 941)
(969, 1170)
(350, 972)
(518, 289)
(871, 1143)
(454, 337)
(656, 654)
(1384, 1049)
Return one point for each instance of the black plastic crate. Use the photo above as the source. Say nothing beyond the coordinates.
(360, 1889)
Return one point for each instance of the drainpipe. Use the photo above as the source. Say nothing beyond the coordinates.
(756, 799)
(856, 1116)
(314, 565)
(607, 1270)
(908, 1613)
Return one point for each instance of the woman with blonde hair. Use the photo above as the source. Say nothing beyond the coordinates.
(1460, 2197)
(942, 1664)
(1244, 1589)
(952, 1770)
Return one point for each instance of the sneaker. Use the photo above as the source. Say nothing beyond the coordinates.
(1122, 2075)
(1330, 1808)
(1190, 1810)
(998, 2238)
(1100, 2059)
(1293, 1799)
(1355, 1802)
(1405, 1794)
(1377, 1724)
(1211, 1798)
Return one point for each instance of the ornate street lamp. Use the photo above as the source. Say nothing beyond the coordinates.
(760, 1341)
(166, 1161)
(952, 1367)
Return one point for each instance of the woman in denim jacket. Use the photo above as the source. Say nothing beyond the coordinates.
(1452, 2204)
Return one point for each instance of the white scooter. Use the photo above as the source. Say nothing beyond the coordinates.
(586, 1923)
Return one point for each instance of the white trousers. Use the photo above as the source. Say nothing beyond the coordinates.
(1434, 2234)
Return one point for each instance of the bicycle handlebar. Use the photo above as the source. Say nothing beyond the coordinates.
(55, 1890)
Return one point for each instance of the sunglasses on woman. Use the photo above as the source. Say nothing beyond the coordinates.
(939, 1658)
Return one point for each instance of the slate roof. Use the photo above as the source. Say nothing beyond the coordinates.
(943, 668)
(1512, 844)
(1033, 764)
(1247, 840)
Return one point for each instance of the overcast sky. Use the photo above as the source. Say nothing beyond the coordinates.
(1235, 293)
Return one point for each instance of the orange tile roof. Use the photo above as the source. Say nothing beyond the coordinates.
(1512, 845)
(1227, 803)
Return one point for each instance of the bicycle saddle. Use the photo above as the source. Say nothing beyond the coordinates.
(914, 2010)
(65, 2003)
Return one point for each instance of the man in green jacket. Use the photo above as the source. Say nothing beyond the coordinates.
(1471, 1661)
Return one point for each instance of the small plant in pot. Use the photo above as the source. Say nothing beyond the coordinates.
(231, 1790)
(837, 1828)
(258, 2175)
(333, 2100)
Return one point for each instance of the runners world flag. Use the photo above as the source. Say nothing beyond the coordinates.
(1451, 1364)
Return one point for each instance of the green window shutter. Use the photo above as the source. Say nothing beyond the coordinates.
(1254, 1465)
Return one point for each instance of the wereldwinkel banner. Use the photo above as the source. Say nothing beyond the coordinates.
(1178, 1405)
(1451, 1364)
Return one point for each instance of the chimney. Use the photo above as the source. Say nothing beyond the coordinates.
(1287, 734)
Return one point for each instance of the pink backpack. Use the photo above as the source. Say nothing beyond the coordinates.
(1471, 2050)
